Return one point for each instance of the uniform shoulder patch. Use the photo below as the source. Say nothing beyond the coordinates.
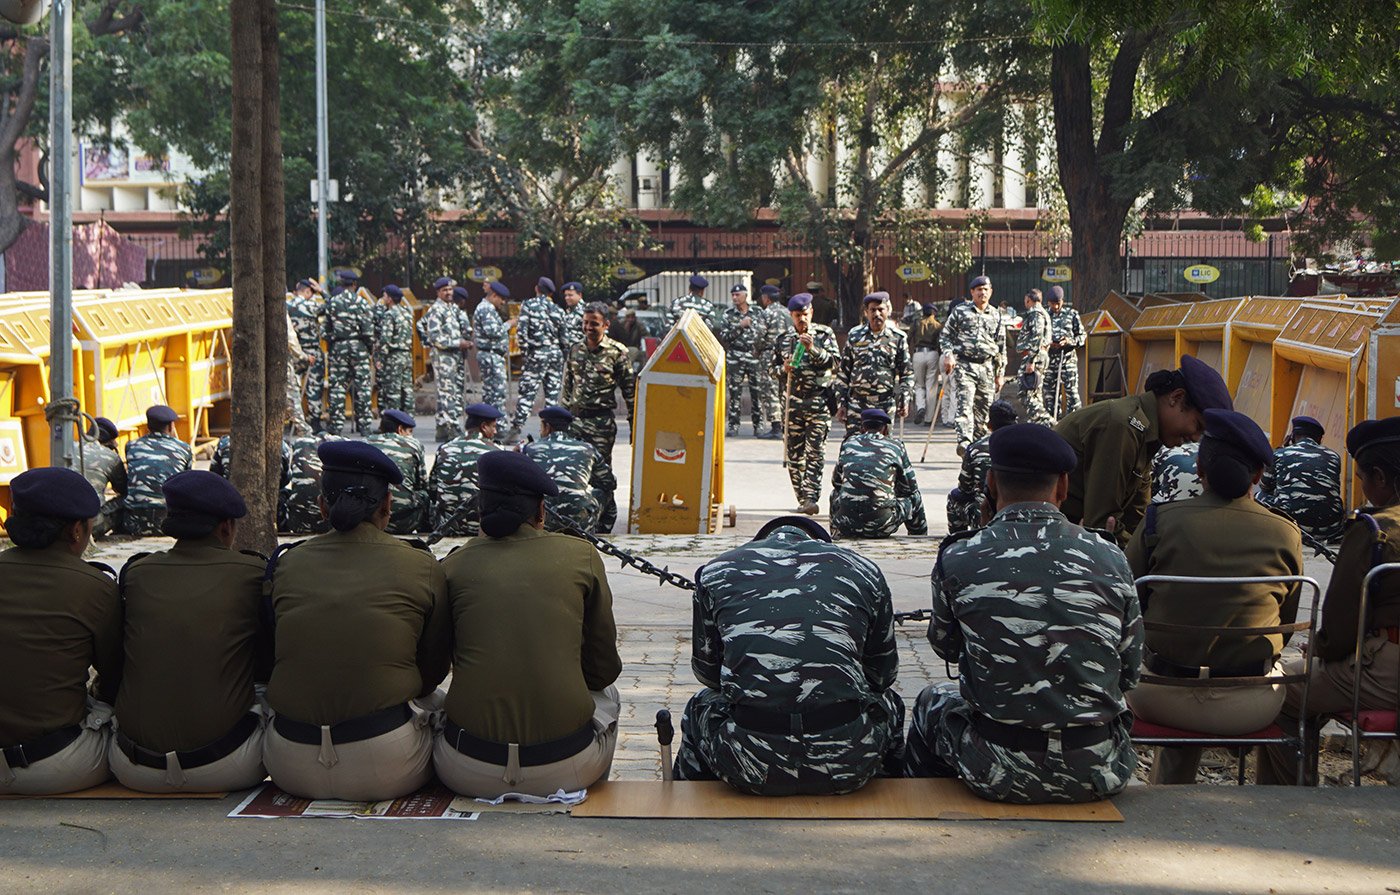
(1137, 423)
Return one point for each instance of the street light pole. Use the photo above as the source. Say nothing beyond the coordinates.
(61, 228)
(322, 149)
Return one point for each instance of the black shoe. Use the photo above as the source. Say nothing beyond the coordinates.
(776, 432)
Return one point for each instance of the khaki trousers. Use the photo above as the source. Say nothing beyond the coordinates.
(81, 765)
(483, 780)
(240, 769)
(388, 766)
(1224, 711)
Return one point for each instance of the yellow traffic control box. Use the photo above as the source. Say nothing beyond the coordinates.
(678, 448)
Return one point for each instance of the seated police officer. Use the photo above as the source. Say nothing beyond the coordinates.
(196, 642)
(1043, 621)
(452, 490)
(874, 490)
(59, 616)
(362, 630)
(532, 707)
(794, 642)
(408, 501)
(150, 460)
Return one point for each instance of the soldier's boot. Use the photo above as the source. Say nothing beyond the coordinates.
(776, 432)
(809, 508)
(731, 429)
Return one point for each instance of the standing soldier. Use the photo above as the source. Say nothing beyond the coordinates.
(393, 350)
(461, 298)
(598, 368)
(873, 490)
(301, 495)
(493, 344)
(923, 346)
(696, 299)
(573, 316)
(308, 314)
(875, 369)
(440, 330)
(776, 320)
(296, 360)
(1306, 481)
(803, 360)
(967, 501)
(1067, 336)
(741, 333)
(1033, 345)
(539, 332)
(974, 352)
(349, 333)
(150, 461)
(408, 500)
(575, 467)
(452, 485)
(103, 467)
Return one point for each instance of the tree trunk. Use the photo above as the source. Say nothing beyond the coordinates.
(274, 272)
(14, 120)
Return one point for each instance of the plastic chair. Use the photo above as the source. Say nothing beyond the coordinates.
(1367, 724)
(1147, 733)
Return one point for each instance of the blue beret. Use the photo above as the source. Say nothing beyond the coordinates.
(698, 282)
(1369, 433)
(443, 282)
(557, 416)
(393, 292)
(460, 293)
(499, 288)
(484, 412)
(54, 491)
(800, 302)
(1031, 447)
(104, 429)
(874, 297)
(399, 418)
(979, 281)
(1204, 386)
(348, 276)
(770, 290)
(874, 414)
(545, 285)
(808, 526)
(1057, 293)
(159, 415)
(574, 285)
(204, 493)
(510, 472)
(1244, 433)
(1309, 421)
(358, 457)
(738, 287)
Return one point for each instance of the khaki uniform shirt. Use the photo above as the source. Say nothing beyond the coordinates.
(1336, 641)
(361, 625)
(194, 641)
(534, 632)
(1115, 442)
(1214, 537)
(58, 617)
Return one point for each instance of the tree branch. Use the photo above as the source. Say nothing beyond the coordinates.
(107, 21)
(1122, 84)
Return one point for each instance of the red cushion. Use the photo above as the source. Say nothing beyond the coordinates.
(1372, 720)
(1146, 730)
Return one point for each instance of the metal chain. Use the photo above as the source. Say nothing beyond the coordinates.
(627, 559)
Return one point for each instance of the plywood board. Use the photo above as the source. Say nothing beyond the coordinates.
(1322, 395)
(1159, 355)
(1212, 354)
(114, 790)
(878, 800)
(1252, 398)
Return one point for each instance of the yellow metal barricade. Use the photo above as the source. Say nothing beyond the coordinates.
(1250, 353)
(678, 446)
(1150, 345)
(1102, 354)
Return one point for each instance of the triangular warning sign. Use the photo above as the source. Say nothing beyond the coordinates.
(678, 354)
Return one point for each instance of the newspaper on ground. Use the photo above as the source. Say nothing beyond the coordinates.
(559, 797)
(433, 802)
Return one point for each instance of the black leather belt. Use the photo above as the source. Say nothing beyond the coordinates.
(1026, 739)
(530, 756)
(595, 413)
(797, 723)
(194, 758)
(46, 746)
(969, 359)
(1166, 668)
(352, 731)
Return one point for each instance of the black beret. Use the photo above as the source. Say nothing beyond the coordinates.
(1057, 293)
(484, 412)
(460, 293)
(349, 276)
(106, 430)
(805, 524)
(499, 288)
(159, 415)
(393, 292)
(1243, 433)
(800, 302)
(979, 281)
(698, 282)
(399, 418)
(1002, 413)
(510, 472)
(545, 285)
(557, 416)
(770, 290)
(1204, 386)
(199, 492)
(574, 285)
(1369, 433)
(874, 297)
(1308, 421)
(874, 414)
(358, 457)
(443, 282)
(54, 491)
(1031, 447)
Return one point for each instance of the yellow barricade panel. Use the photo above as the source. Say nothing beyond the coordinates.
(1252, 394)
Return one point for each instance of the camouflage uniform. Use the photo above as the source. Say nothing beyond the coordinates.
(452, 485)
(591, 379)
(702, 305)
(776, 320)
(1043, 620)
(308, 317)
(579, 471)
(440, 329)
(572, 327)
(1174, 473)
(492, 354)
(965, 502)
(875, 371)
(150, 461)
(408, 503)
(393, 356)
(103, 466)
(220, 464)
(349, 332)
(742, 365)
(301, 494)
(786, 630)
(539, 333)
(874, 490)
(1033, 344)
(1305, 482)
(977, 339)
(809, 417)
(1064, 362)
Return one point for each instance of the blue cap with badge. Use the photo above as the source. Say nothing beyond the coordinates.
(54, 491)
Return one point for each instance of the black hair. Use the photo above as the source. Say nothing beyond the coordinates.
(352, 496)
(1001, 413)
(1164, 382)
(1228, 470)
(873, 425)
(502, 513)
(597, 307)
(1385, 457)
(194, 526)
(35, 531)
(1014, 485)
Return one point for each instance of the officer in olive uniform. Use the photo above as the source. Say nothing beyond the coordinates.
(803, 359)
(1223, 532)
(874, 370)
(596, 374)
(362, 637)
(1305, 481)
(59, 616)
(1116, 440)
(1035, 715)
(530, 709)
(103, 467)
(452, 485)
(574, 466)
(873, 489)
(150, 460)
(409, 510)
(196, 643)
